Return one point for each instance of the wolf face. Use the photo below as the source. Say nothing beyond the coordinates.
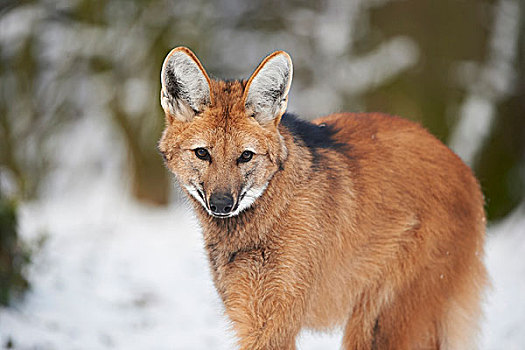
(221, 138)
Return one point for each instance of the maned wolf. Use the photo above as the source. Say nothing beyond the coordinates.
(364, 221)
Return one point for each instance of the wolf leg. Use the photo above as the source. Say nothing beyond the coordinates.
(267, 301)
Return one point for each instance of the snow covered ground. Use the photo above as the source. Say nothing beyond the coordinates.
(117, 274)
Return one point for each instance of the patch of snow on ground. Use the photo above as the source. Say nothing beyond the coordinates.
(116, 274)
(504, 326)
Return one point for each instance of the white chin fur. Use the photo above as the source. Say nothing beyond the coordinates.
(247, 200)
(193, 191)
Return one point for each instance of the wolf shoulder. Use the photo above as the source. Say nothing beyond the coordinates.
(399, 156)
(377, 137)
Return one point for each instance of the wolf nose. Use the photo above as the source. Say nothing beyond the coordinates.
(221, 203)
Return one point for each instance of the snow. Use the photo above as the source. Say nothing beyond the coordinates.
(504, 326)
(117, 274)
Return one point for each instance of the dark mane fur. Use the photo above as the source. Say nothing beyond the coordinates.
(313, 136)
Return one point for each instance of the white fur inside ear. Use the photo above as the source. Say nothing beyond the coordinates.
(267, 95)
(185, 88)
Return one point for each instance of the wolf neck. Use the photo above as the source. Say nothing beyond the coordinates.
(270, 208)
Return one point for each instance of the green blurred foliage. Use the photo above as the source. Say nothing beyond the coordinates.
(26, 118)
(447, 32)
(13, 256)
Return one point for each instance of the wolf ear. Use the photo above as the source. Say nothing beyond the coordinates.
(185, 85)
(266, 93)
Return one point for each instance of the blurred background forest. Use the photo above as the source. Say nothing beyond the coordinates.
(455, 66)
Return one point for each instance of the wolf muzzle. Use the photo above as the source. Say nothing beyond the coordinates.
(221, 203)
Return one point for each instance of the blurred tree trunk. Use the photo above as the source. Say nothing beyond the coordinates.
(150, 179)
(501, 164)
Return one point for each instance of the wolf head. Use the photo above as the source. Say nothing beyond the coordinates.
(221, 138)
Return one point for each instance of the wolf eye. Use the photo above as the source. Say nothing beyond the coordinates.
(245, 157)
(202, 153)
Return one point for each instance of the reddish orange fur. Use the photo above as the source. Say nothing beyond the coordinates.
(384, 239)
